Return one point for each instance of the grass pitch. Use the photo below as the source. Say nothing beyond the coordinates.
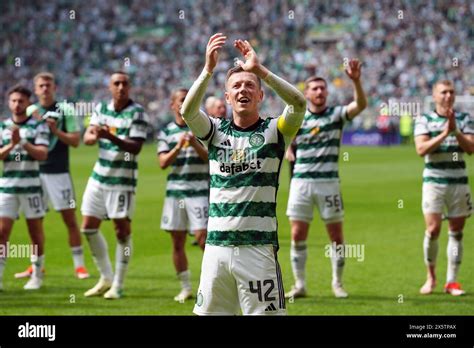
(382, 198)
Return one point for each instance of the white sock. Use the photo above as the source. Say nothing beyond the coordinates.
(123, 252)
(430, 250)
(98, 246)
(37, 262)
(454, 251)
(3, 261)
(298, 256)
(77, 256)
(184, 278)
(337, 262)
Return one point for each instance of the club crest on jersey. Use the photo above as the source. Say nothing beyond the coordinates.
(256, 140)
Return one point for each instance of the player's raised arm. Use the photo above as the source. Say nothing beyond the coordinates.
(196, 119)
(353, 70)
(292, 116)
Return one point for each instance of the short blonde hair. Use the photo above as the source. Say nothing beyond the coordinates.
(45, 76)
(443, 82)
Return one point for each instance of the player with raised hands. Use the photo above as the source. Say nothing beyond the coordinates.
(315, 177)
(240, 271)
(442, 136)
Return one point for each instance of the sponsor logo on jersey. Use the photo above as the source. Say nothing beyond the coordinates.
(235, 168)
(236, 155)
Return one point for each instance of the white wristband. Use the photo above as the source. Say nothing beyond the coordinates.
(23, 141)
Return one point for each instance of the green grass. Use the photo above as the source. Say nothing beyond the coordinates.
(373, 182)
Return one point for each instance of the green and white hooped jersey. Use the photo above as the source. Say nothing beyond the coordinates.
(189, 175)
(116, 169)
(318, 143)
(20, 170)
(444, 166)
(244, 167)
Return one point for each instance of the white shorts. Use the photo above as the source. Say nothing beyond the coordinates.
(59, 189)
(185, 214)
(107, 204)
(452, 200)
(245, 278)
(305, 194)
(31, 204)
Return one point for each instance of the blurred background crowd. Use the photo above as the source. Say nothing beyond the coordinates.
(404, 45)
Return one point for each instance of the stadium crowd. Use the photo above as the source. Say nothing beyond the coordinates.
(405, 46)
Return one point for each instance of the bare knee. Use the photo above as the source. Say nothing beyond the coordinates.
(299, 230)
(122, 231)
(69, 219)
(3, 235)
(457, 224)
(433, 230)
(179, 239)
(122, 234)
(90, 223)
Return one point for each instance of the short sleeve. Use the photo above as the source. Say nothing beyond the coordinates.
(42, 134)
(421, 126)
(163, 144)
(214, 122)
(342, 113)
(139, 125)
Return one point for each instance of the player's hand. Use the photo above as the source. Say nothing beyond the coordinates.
(353, 69)
(15, 135)
(104, 132)
(212, 51)
(451, 120)
(290, 154)
(183, 139)
(94, 130)
(192, 140)
(52, 125)
(251, 64)
(36, 115)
